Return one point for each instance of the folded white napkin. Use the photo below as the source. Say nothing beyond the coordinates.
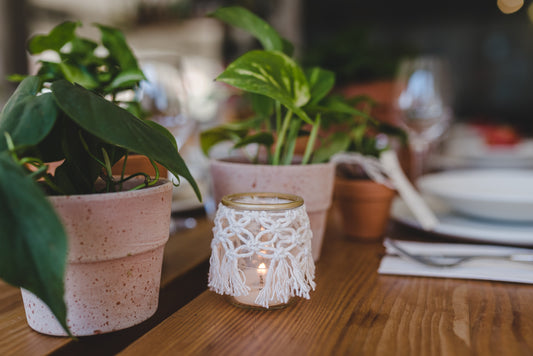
(387, 170)
(486, 269)
(408, 193)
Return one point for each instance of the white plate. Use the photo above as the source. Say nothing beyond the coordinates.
(500, 194)
(462, 227)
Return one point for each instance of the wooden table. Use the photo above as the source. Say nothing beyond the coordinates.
(352, 311)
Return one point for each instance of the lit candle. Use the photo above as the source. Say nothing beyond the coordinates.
(250, 246)
(255, 279)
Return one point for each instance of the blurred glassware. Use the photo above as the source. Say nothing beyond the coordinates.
(179, 94)
(163, 98)
(163, 95)
(423, 104)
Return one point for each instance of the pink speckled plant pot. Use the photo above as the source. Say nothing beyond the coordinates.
(313, 182)
(116, 243)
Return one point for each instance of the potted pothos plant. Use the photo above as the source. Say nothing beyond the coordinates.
(52, 237)
(363, 193)
(290, 105)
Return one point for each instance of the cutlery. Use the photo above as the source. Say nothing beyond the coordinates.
(452, 260)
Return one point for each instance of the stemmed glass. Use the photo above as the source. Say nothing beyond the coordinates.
(423, 104)
(164, 99)
(163, 95)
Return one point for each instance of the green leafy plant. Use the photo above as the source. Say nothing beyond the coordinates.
(68, 112)
(288, 101)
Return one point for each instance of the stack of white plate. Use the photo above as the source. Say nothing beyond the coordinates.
(489, 205)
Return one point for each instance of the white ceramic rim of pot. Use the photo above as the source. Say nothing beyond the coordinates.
(292, 201)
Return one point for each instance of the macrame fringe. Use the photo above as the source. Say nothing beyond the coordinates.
(225, 277)
(288, 275)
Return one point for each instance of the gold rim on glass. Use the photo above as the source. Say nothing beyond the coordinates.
(232, 201)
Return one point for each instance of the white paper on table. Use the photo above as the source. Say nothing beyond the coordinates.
(483, 269)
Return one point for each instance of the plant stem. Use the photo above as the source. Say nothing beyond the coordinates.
(278, 115)
(281, 138)
(107, 167)
(312, 139)
(146, 179)
(156, 178)
(288, 152)
(123, 171)
(86, 147)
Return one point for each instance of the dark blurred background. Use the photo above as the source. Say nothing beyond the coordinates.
(491, 53)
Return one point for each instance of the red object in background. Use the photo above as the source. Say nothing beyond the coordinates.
(498, 134)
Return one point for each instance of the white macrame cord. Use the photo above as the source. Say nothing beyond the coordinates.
(282, 238)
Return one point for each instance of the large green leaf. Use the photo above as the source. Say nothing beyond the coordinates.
(164, 131)
(34, 243)
(118, 48)
(27, 118)
(273, 74)
(115, 125)
(57, 38)
(242, 18)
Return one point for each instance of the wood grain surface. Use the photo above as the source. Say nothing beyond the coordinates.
(355, 311)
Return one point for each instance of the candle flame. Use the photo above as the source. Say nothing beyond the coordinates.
(262, 266)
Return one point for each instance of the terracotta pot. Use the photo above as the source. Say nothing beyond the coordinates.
(364, 206)
(116, 243)
(313, 182)
(382, 91)
(138, 163)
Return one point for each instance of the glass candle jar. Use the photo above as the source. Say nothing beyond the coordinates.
(261, 250)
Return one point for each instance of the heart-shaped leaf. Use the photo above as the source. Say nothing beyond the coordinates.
(55, 40)
(111, 123)
(273, 74)
(27, 118)
(118, 48)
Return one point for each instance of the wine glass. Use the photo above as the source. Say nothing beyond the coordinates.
(164, 98)
(423, 104)
(163, 95)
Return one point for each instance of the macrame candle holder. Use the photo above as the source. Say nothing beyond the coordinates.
(261, 250)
